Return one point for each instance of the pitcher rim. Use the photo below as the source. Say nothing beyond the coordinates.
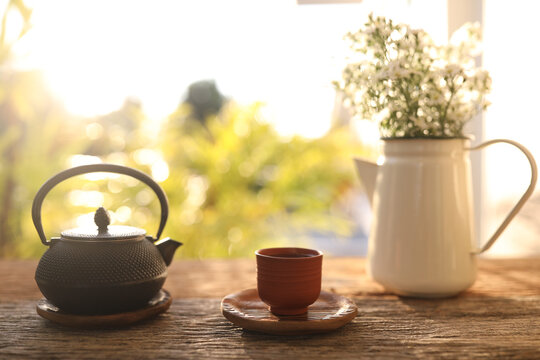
(424, 146)
(426, 138)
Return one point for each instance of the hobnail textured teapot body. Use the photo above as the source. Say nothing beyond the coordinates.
(111, 276)
(104, 269)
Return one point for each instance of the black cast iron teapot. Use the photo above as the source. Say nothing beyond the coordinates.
(102, 269)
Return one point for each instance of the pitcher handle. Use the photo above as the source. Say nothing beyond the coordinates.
(524, 197)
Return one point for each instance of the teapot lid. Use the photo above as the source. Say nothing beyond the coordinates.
(103, 230)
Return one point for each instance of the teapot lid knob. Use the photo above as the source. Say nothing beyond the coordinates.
(102, 220)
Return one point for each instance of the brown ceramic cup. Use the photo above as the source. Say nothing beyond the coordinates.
(289, 279)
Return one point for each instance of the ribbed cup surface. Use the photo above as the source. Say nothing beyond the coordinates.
(289, 279)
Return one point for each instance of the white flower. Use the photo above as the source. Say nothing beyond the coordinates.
(410, 86)
(451, 71)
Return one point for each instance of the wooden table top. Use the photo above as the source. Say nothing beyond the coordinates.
(499, 317)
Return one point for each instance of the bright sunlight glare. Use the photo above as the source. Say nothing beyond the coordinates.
(94, 54)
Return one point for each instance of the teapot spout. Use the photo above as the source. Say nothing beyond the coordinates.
(367, 171)
(167, 247)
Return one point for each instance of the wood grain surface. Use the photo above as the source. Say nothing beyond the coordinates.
(330, 312)
(499, 317)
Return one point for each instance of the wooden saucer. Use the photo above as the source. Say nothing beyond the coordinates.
(329, 312)
(156, 305)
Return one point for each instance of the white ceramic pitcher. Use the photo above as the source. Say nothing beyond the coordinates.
(421, 241)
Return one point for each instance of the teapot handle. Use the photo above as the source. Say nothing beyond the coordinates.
(84, 169)
(524, 197)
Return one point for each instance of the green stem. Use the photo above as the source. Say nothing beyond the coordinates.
(453, 92)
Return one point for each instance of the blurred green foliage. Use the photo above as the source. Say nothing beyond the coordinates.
(233, 183)
(36, 138)
(237, 185)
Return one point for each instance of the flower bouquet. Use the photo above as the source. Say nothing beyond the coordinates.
(412, 87)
